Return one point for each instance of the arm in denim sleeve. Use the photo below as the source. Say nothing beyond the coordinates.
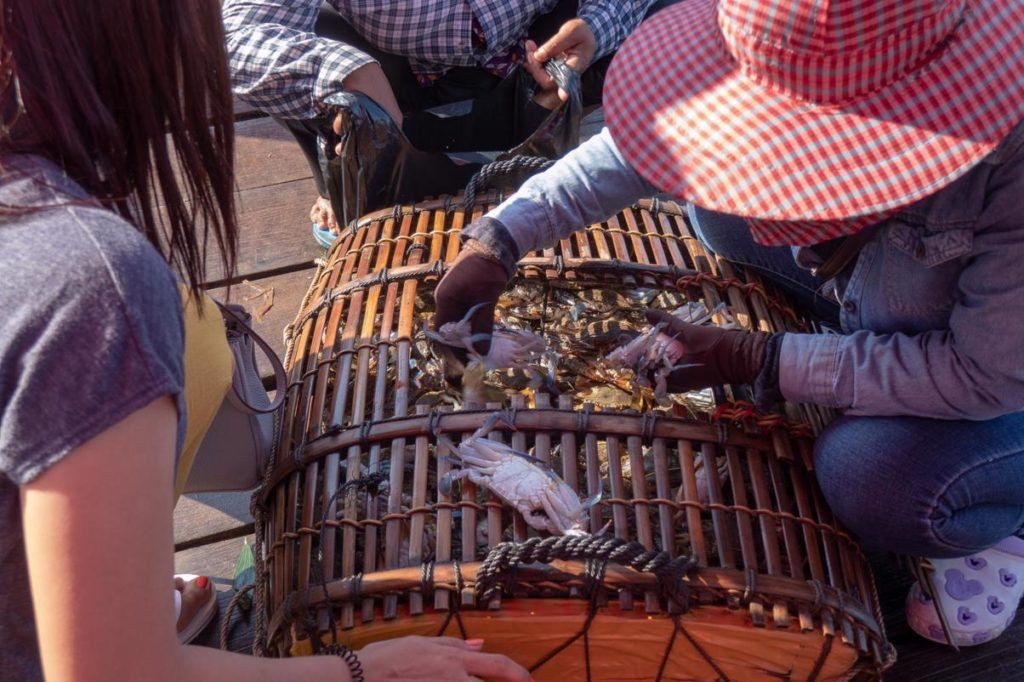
(612, 21)
(278, 64)
(589, 184)
(973, 370)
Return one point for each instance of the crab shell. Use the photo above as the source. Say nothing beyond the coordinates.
(545, 501)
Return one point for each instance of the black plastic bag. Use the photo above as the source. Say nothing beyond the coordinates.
(379, 165)
(507, 118)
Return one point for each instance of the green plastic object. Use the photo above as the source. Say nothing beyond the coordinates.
(245, 574)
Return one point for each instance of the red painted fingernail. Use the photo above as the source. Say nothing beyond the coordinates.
(475, 642)
(202, 581)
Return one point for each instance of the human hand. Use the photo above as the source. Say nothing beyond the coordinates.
(575, 42)
(370, 80)
(476, 277)
(711, 355)
(436, 658)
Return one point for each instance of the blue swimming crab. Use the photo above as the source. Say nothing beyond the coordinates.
(510, 349)
(653, 355)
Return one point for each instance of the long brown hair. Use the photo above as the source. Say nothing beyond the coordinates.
(132, 99)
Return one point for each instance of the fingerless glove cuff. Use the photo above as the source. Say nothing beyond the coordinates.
(496, 240)
(767, 395)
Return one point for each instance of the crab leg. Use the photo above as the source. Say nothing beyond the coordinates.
(565, 511)
(444, 486)
(553, 516)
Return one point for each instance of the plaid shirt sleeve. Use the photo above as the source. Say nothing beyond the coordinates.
(612, 21)
(278, 65)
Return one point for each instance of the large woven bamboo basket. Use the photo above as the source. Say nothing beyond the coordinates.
(735, 570)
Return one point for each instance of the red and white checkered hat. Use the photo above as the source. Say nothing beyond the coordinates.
(814, 117)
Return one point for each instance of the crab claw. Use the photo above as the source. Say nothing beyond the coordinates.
(491, 423)
(472, 311)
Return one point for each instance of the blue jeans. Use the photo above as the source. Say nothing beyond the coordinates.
(925, 487)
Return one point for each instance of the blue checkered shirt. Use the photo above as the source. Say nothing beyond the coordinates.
(279, 66)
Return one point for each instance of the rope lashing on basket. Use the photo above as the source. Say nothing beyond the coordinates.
(497, 169)
(669, 572)
(723, 284)
(676, 631)
(597, 552)
(741, 410)
(453, 611)
(259, 513)
(368, 484)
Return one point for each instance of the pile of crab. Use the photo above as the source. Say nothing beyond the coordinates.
(592, 343)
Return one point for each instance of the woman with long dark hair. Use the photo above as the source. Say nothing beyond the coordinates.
(108, 110)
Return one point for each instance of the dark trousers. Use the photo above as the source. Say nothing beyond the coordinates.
(458, 84)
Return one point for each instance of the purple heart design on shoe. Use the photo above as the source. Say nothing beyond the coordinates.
(1006, 578)
(981, 637)
(936, 632)
(976, 562)
(993, 605)
(960, 588)
(965, 616)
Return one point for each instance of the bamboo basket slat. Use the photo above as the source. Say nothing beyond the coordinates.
(359, 544)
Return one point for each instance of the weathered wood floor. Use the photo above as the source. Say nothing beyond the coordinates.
(275, 267)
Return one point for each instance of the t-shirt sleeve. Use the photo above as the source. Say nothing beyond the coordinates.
(94, 334)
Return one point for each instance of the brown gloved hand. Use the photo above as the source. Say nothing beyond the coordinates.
(715, 355)
(475, 278)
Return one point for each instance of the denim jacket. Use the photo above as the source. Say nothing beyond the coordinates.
(932, 308)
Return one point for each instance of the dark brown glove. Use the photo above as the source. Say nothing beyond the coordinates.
(715, 355)
(476, 277)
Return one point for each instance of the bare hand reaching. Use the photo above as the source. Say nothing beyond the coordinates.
(574, 42)
(370, 80)
(436, 658)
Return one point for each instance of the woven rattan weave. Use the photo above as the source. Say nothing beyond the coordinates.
(735, 572)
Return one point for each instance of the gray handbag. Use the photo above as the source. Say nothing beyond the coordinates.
(239, 442)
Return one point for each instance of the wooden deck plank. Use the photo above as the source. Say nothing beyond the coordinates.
(217, 561)
(286, 291)
(275, 230)
(267, 154)
(200, 518)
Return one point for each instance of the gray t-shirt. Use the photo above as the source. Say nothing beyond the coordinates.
(91, 331)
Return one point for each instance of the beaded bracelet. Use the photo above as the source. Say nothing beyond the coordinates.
(344, 653)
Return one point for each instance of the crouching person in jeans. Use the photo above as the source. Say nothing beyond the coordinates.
(801, 141)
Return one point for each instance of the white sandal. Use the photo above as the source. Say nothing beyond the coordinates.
(971, 600)
(201, 618)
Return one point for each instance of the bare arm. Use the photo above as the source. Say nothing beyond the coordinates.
(98, 539)
(280, 66)
(99, 544)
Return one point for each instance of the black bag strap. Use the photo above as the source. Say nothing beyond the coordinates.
(281, 380)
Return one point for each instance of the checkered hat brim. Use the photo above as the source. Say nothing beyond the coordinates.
(697, 124)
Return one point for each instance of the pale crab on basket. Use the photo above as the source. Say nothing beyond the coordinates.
(525, 482)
